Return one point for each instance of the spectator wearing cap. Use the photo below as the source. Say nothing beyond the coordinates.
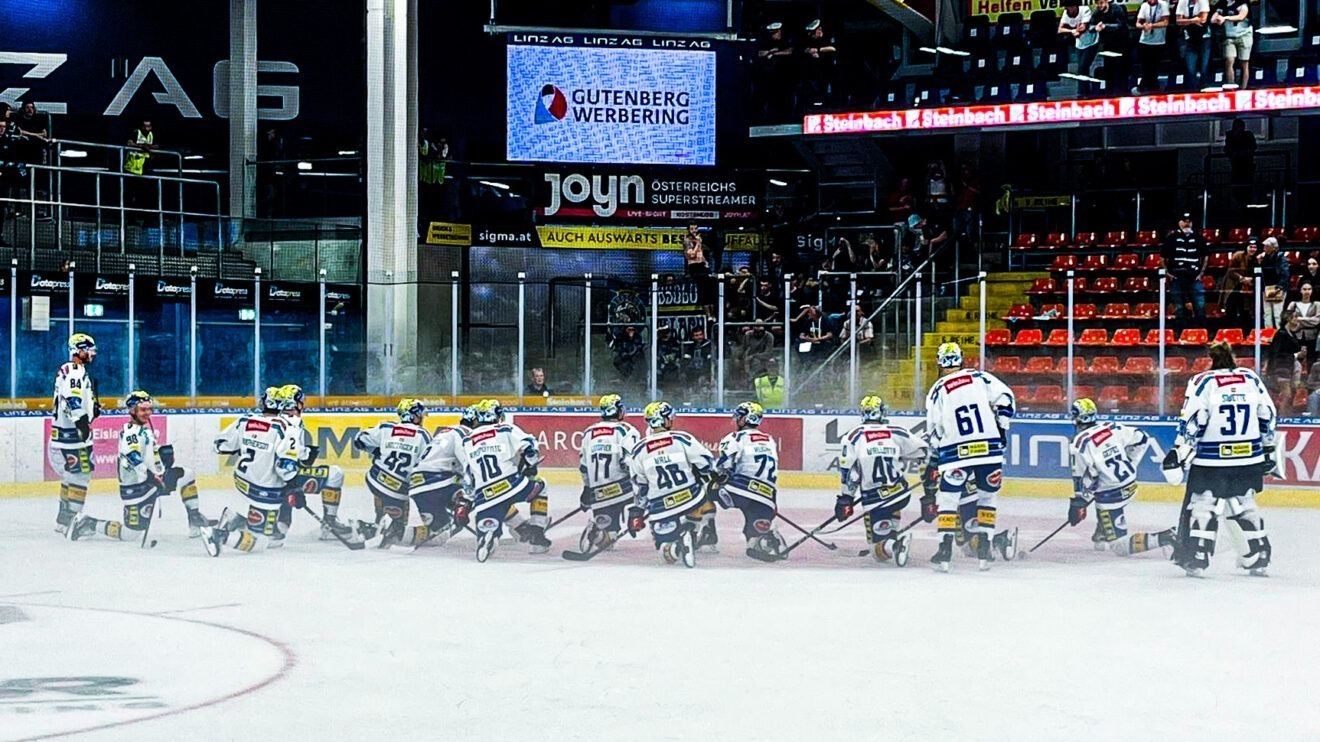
(925, 237)
(1274, 279)
(819, 56)
(1185, 257)
(773, 55)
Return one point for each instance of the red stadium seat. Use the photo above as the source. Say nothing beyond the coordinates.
(1127, 337)
(1153, 338)
(1278, 233)
(1079, 366)
(1113, 396)
(1116, 311)
(1208, 281)
(1022, 394)
(1176, 397)
(1083, 390)
(1007, 365)
(1147, 310)
(1237, 236)
(1064, 263)
(1294, 256)
(1079, 285)
(1027, 338)
(1175, 365)
(1153, 262)
(1084, 311)
(1200, 365)
(1128, 261)
(1266, 336)
(998, 337)
(1219, 261)
(1059, 310)
(1136, 285)
(1058, 338)
(1139, 366)
(1105, 285)
(1049, 395)
(1146, 238)
(1094, 336)
(1020, 311)
(1056, 240)
(1084, 239)
(1194, 336)
(1294, 282)
(1107, 365)
(1305, 234)
(1230, 335)
(1146, 399)
(1299, 399)
(1212, 236)
(1114, 240)
(1093, 263)
(1040, 365)
(1213, 311)
(1024, 242)
(1042, 286)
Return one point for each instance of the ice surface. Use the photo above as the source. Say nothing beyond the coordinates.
(1070, 644)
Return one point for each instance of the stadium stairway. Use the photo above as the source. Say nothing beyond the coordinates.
(892, 378)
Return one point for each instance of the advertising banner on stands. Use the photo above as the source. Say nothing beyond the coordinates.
(611, 238)
(688, 194)
(449, 233)
(105, 444)
(179, 289)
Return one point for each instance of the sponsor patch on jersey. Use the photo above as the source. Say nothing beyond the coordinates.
(403, 432)
(497, 489)
(881, 527)
(678, 498)
(956, 382)
(996, 478)
(1101, 436)
(483, 435)
(601, 432)
(609, 490)
(878, 435)
(486, 525)
(1234, 450)
(255, 517)
(759, 437)
(761, 488)
(968, 450)
(1230, 379)
(956, 477)
(658, 443)
(259, 425)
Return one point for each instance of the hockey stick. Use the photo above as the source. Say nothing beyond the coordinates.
(586, 556)
(906, 489)
(900, 532)
(353, 545)
(553, 523)
(150, 519)
(1053, 533)
(810, 534)
(784, 554)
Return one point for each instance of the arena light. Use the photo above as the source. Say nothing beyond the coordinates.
(495, 184)
(1108, 53)
(247, 314)
(93, 310)
(778, 182)
(347, 152)
(304, 165)
(945, 50)
(192, 157)
(1279, 30)
(1082, 78)
(73, 154)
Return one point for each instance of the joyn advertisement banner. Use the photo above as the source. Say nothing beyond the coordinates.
(621, 105)
(639, 194)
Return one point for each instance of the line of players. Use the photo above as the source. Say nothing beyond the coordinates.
(479, 470)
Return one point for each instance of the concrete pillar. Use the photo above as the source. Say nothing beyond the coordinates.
(242, 107)
(392, 332)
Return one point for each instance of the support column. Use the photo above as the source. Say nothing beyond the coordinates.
(242, 107)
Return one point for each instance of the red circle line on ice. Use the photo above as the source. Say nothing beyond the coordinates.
(288, 655)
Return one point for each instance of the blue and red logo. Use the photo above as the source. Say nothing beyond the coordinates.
(551, 106)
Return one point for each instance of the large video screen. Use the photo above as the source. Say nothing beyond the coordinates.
(610, 105)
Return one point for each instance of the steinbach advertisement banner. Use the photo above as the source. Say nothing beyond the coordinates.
(559, 435)
(637, 193)
(105, 444)
(606, 103)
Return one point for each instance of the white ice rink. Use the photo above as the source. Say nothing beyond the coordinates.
(313, 642)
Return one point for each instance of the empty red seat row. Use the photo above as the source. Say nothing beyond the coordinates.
(1151, 238)
(1123, 337)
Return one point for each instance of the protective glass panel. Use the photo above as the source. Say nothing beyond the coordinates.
(162, 312)
(101, 310)
(289, 335)
(345, 338)
(6, 312)
(43, 331)
(225, 338)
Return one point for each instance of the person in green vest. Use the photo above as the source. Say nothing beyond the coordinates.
(143, 140)
(770, 387)
(139, 195)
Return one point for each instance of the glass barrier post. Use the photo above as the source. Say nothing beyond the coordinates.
(98, 220)
(160, 221)
(586, 338)
(916, 365)
(788, 340)
(855, 324)
(72, 266)
(192, 334)
(719, 350)
(32, 215)
(132, 331)
(123, 182)
(453, 336)
(522, 333)
(1260, 310)
(1162, 351)
(256, 334)
(13, 328)
(1138, 210)
(655, 313)
(320, 333)
(981, 313)
(1071, 337)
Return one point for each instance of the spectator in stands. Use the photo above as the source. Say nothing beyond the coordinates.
(965, 222)
(1110, 20)
(1075, 26)
(35, 128)
(769, 386)
(1308, 270)
(139, 196)
(756, 348)
(819, 63)
(1307, 312)
(773, 56)
(812, 336)
(1274, 280)
(625, 350)
(1313, 386)
(939, 192)
(1194, 40)
(865, 336)
(1152, 21)
(902, 201)
(925, 237)
(1238, 39)
(537, 387)
(696, 264)
(1238, 289)
(767, 301)
(13, 171)
(1283, 365)
(1240, 146)
(1185, 256)
(699, 358)
(845, 258)
(669, 350)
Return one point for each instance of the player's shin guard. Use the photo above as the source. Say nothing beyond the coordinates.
(1202, 530)
(702, 518)
(1138, 543)
(330, 497)
(1255, 554)
(72, 499)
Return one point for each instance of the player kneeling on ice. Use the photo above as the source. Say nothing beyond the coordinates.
(747, 477)
(967, 417)
(874, 460)
(607, 487)
(500, 469)
(437, 485)
(395, 448)
(669, 469)
(146, 473)
(1104, 469)
(268, 450)
(1227, 437)
(327, 480)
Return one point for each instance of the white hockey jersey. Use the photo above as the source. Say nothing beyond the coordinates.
(1105, 457)
(1227, 420)
(267, 450)
(750, 458)
(304, 437)
(395, 448)
(967, 418)
(603, 458)
(494, 454)
(665, 466)
(138, 461)
(74, 400)
(876, 457)
(439, 461)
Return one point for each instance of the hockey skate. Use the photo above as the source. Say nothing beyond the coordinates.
(64, 519)
(1167, 542)
(901, 547)
(536, 537)
(943, 555)
(1098, 540)
(391, 531)
(707, 538)
(1005, 542)
(984, 553)
(523, 531)
(196, 521)
(83, 526)
(331, 525)
(1255, 562)
(767, 548)
(486, 544)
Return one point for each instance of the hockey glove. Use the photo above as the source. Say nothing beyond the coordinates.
(166, 454)
(843, 508)
(930, 480)
(84, 426)
(636, 521)
(929, 509)
(461, 507)
(586, 498)
(1270, 466)
(296, 499)
(171, 478)
(1077, 510)
(313, 451)
(1171, 460)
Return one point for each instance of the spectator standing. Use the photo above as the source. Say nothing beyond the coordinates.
(625, 351)
(939, 193)
(756, 349)
(1307, 312)
(767, 302)
(696, 265)
(142, 143)
(13, 170)
(1283, 363)
(926, 236)
(1313, 387)
(35, 128)
(1185, 257)
(537, 387)
(902, 201)
(773, 55)
(819, 62)
(1110, 20)
(1238, 289)
(1194, 40)
(1238, 39)
(1075, 25)
(1274, 281)
(1240, 146)
(1152, 21)
(966, 204)
(769, 386)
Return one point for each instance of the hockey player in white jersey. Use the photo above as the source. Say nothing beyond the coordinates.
(500, 469)
(967, 417)
(669, 469)
(147, 472)
(395, 448)
(747, 477)
(436, 485)
(327, 480)
(1225, 444)
(607, 486)
(874, 462)
(70, 448)
(268, 449)
(1105, 456)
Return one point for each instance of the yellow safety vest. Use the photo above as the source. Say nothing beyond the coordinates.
(769, 391)
(135, 161)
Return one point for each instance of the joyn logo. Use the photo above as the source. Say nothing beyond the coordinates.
(606, 192)
(551, 105)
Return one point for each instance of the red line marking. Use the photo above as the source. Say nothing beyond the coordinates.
(290, 661)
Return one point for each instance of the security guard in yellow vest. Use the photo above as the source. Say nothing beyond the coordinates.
(144, 139)
(769, 386)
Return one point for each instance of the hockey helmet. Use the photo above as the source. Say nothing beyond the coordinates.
(748, 414)
(949, 355)
(659, 415)
(134, 399)
(1083, 412)
(489, 411)
(611, 407)
(411, 410)
(292, 397)
(82, 342)
(270, 399)
(468, 418)
(874, 409)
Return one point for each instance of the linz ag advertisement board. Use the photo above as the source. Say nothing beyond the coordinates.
(610, 100)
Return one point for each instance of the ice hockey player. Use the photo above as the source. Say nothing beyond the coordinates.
(268, 449)
(746, 476)
(312, 478)
(669, 469)
(607, 486)
(70, 449)
(394, 448)
(437, 485)
(1104, 469)
(967, 417)
(147, 472)
(500, 469)
(874, 462)
(1225, 444)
